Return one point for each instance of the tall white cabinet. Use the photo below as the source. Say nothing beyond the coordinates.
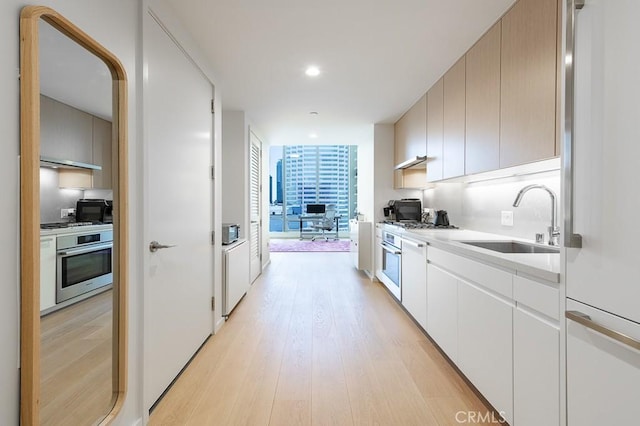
(47, 271)
(360, 236)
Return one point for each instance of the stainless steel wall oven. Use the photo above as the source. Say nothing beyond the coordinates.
(391, 263)
(84, 263)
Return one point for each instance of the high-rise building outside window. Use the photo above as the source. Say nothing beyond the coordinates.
(312, 174)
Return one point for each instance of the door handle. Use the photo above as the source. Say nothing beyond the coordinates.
(154, 246)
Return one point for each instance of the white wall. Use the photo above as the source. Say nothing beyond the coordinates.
(113, 23)
(478, 205)
(366, 189)
(383, 166)
(236, 126)
(235, 170)
(383, 169)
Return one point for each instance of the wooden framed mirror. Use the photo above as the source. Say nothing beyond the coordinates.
(112, 259)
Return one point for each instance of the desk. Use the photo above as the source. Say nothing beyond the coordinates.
(312, 217)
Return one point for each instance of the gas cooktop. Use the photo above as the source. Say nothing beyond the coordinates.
(418, 225)
(59, 225)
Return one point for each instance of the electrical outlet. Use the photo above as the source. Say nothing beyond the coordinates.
(507, 218)
(64, 213)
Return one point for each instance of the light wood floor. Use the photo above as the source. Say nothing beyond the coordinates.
(76, 368)
(316, 343)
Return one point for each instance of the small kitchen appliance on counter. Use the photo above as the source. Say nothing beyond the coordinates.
(230, 233)
(94, 210)
(407, 209)
(441, 218)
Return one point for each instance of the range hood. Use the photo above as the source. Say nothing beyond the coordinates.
(417, 162)
(66, 164)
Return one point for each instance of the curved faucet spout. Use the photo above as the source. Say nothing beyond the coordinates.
(554, 230)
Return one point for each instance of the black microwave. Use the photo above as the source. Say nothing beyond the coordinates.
(94, 210)
(408, 209)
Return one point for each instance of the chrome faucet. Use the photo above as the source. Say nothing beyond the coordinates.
(554, 230)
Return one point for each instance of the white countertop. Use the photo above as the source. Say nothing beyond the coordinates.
(229, 247)
(75, 230)
(544, 266)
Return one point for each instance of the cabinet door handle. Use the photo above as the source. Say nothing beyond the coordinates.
(413, 244)
(586, 320)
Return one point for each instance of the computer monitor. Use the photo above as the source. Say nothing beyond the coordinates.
(316, 208)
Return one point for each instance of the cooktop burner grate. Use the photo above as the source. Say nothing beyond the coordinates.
(418, 225)
(58, 225)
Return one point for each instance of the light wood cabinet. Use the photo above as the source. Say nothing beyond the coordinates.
(528, 82)
(47, 272)
(454, 121)
(435, 122)
(482, 118)
(102, 147)
(411, 132)
(410, 140)
(65, 132)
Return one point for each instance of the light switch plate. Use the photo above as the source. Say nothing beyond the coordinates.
(507, 218)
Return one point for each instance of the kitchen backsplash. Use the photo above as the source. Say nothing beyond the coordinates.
(53, 199)
(478, 205)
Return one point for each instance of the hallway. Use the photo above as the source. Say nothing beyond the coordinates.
(315, 342)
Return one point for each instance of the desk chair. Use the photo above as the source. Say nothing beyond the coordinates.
(327, 223)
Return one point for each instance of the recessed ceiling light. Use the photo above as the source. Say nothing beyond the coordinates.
(314, 113)
(313, 135)
(312, 71)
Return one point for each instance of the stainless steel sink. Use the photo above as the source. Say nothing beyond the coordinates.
(512, 247)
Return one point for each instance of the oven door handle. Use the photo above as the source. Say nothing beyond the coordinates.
(86, 249)
(390, 249)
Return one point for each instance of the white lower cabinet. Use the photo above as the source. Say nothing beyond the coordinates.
(414, 280)
(47, 272)
(502, 332)
(360, 244)
(485, 344)
(536, 370)
(603, 373)
(442, 310)
(377, 250)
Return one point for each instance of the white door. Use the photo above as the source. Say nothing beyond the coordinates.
(255, 194)
(178, 210)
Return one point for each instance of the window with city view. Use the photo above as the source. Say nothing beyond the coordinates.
(311, 174)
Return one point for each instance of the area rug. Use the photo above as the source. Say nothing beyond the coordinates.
(308, 245)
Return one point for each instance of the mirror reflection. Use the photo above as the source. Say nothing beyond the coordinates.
(78, 374)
